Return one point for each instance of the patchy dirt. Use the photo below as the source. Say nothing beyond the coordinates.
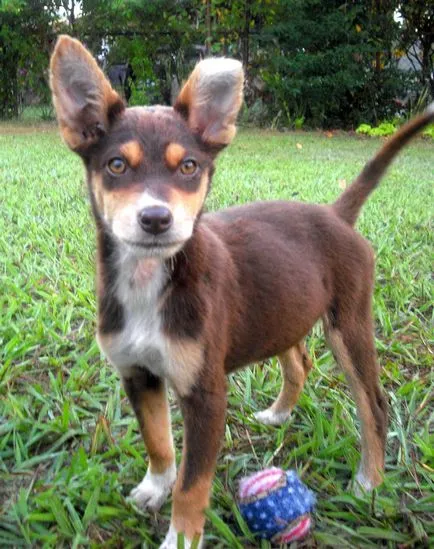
(10, 485)
(14, 128)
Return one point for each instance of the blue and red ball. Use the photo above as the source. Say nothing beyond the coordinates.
(276, 505)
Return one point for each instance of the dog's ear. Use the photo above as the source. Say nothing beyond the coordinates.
(84, 100)
(211, 98)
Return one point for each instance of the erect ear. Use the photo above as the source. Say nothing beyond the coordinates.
(211, 98)
(85, 102)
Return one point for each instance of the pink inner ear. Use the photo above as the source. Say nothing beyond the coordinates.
(72, 107)
(83, 97)
(210, 128)
(211, 99)
(77, 97)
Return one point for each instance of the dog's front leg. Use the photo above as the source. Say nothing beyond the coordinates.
(204, 412)
(148, 398)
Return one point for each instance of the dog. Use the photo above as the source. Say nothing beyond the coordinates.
(185, 298)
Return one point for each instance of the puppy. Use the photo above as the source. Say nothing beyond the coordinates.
(184, 298)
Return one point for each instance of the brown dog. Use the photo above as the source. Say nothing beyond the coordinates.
(185, 299)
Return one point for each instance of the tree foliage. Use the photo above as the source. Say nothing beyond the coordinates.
(332, 61)
(418, 27)
(27, 29)
(326, 62)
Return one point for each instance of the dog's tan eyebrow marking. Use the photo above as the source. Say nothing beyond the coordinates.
(133, 153)
(174, 154)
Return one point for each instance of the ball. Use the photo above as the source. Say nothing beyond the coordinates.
(276, 505)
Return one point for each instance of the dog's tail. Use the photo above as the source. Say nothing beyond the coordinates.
(349, 204)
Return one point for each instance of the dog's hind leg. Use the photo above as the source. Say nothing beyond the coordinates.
(148, 398)
(295, 365)
(350, 336)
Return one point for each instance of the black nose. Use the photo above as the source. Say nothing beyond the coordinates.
(155, 219)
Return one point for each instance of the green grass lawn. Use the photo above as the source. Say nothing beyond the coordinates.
(70, 451)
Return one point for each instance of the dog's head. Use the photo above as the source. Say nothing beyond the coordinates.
(149, 168)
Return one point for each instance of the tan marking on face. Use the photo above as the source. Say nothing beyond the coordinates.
(186, 358)
(133, 153)
(174, 154)
(191, 202)
(98, 190)
(111, 202)
(372, 452)
(188, 511)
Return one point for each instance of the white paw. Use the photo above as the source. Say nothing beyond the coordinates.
(171, 540)
(269, 417)
(362, 485)
(154, 489)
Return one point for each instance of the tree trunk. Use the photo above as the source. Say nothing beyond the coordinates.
(208, 27)
(427, 66)
(9, 98)
(246, 36)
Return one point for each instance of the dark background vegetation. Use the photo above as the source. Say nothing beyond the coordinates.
(315, 63)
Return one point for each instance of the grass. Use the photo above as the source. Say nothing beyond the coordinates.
(69, 446)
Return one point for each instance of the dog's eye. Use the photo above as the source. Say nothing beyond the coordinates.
(117, 166)
(188, 166)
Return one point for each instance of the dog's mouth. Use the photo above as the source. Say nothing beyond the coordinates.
(155, 248)
(153, 245)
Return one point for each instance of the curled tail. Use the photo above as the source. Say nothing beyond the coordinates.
(349, 204)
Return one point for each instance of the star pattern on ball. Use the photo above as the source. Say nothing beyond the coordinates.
(276, 504)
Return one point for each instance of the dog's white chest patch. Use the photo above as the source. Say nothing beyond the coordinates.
(141, 341)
